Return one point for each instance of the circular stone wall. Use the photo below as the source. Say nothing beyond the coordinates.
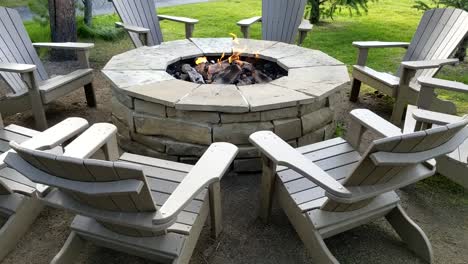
(162, 117)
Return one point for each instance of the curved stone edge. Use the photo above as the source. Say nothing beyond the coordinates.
(319, 76)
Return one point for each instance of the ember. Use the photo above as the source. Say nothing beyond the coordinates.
(232, 70)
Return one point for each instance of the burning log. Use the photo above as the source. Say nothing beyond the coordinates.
(229, 76)
(193, 74)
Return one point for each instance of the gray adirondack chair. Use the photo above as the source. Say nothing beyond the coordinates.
(139, 205)
(455, 164)
(24, 75)
(436, 39)
(281, 20)
(141, 22)
(328, 187)
(19, 205)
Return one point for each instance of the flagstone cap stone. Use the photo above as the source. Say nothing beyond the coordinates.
(141, 73)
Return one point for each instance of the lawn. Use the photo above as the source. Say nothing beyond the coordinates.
(14, 3)
(387, 20)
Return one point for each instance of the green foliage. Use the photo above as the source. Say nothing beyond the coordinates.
(40, 10)
(328, 8)
(103, 28)
(340, 130)
(426, 5)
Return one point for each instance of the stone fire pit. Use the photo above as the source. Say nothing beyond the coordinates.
(160, 116)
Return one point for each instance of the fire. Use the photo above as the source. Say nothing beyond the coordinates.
(201, 60)
(236, 53)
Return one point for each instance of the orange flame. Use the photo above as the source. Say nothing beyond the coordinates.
(200, 60)
(234, 57)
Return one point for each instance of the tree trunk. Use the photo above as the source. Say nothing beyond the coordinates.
(315, 11)
(88, 12)
(62, 26)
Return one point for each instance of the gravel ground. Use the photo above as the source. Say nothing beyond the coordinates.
(441, 212)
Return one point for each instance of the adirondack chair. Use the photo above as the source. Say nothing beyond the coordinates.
(437, 37)
(281, 20)
(140, 20)
(328, 187)
(25, 77)
(19, 205)
(455, 164)
(139, 205)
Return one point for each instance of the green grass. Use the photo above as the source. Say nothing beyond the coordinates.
(387, 20)
(13, 3)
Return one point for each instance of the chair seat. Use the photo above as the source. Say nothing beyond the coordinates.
(335, 156)
(163, 178)
(58, 86)
(386, 78)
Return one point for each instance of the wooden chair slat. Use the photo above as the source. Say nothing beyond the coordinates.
(281, 19)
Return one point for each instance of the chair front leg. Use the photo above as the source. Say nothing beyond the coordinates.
(402, 96)
(36, 100)
(189, 28)
(215, 209)
(356, 86)
(245, 31)
(267, 187)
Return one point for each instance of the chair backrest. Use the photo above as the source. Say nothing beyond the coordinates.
(405, 161)
(281, 19)
(141, 13)
(439, 33)
(16, 47)
(72, 176)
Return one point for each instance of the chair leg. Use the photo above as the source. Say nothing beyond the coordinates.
(267, 188)
(355, 89)
(90, 95)
(18, 224)
(411, 233)
(215, 209)
(70, 250)
(317, 248)
(398, 111)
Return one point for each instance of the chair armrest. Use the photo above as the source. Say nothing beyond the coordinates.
(249, 21)
(185, 20)
(210, 168)
(375, 123)
(57, 134)
(435, 118)
(93, 139)
(435, 83)
(64, 45)
(281, 153)
(17, 68)
(428, 64)
(130, 28)
(305, 25)
(380, 44)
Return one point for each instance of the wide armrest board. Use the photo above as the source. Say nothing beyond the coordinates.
(57, 134)
(380, 44)
(16, 67)
(305, 25)
(135, 29)
(443, 84)
(64, 45)
(428, 64)
(90, 141)
(375, 123)
(185, 20)
(249, 21)
(210, 168)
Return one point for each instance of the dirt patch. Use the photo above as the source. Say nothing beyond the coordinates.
(441, 212)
